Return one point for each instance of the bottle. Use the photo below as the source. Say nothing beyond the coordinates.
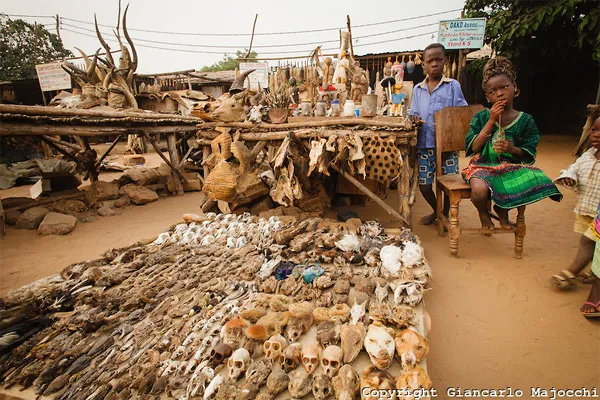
(320, 109)
(336, 110)
(357, 109)
(349, 108)
(306, 109)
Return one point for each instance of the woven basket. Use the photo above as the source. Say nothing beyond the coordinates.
(221, 146)
(220, 184)
(89, 91)
(116, 100)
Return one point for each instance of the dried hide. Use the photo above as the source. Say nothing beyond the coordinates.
(383, 159)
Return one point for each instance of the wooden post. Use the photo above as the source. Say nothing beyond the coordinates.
(174, 156)
(47, 150)
(205, 155)
(350, 32)
(92, 170)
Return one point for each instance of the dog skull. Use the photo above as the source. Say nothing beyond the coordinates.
(321, 386)
(332, 360)
(310, 358)
(411, 347)
(291, 357)
(238, 363)
(379, 343)
(274, 347)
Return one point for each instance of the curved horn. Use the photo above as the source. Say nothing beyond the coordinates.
(84, 56)
(134, 59)
(103, 43)
(238, 84)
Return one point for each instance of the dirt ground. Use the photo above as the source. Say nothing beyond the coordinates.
(496, 321)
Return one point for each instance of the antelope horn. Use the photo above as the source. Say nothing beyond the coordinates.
(84, 56)
(91, 71)
(71, 73)
(103, 43)
(238, 84)
(134, 59)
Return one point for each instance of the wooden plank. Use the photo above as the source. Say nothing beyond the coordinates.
(403, 136)
(299, 122)
(25, 129)
(452, 126)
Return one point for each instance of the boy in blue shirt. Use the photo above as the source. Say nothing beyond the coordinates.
(434, 93)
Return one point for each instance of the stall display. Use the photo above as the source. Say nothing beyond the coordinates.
(227, 307)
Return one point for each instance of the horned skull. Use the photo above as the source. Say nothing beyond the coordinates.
(332, 360)
(238, 363)
(310, 358)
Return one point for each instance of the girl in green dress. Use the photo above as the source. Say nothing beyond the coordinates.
(503, 143)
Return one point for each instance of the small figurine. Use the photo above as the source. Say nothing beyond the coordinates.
(294, 91)
(360, 86)
(387, 70)
(340, 74)
(328, 72)
(397, 100)
(398, 70)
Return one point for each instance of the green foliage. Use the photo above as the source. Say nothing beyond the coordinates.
(23, 45)
(548, 26)
(228, 63)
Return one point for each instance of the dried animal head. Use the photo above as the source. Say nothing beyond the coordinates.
(357, 312)
(300, 321)
(310, 357)
(291, 357)
(413, 377)
(380, 312)
(253, 314)
(381, 292)
(238, 363)
(231, 109)
(331, 361)
(219, 354)
(258, 372)
(324, 281)
(325, 300)
(213, 387)
(274, 347)
(340, 313)
(402, 316)
(352, 338)
(320, 314)
(280, 303)
(377, 380)
(269, 285)
(328, 333)
(411, 347)
(273, 322)
(346, 383)
(322, 387)
(232, 332)
(300, 384)
(342, 286)
(363, 284)
(379, 343)
(277, 381)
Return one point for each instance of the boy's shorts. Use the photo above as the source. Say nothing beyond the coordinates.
(583, 225)
(427, 165)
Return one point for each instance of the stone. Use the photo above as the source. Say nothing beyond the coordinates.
(104, 191)
(105, 211)
(122, 201)
(139, 195)
(57, 224)
(71, 207)
(107, 204)
(261, 205)
(31, 218)
(11, 216)
(133, 159)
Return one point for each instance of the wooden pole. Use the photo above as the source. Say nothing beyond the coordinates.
(63, 152)
(174, 156)
(387, 122)
(252, 37)
(205, 155)
(30, 129)
(112, 146)
(161, 155)
(63, 143)
(350, 32)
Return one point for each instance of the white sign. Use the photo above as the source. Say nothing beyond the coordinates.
(260, 75)
(465, 33)
(53, 77)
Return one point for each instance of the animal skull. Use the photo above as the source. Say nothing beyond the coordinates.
(274, 347)
(291, 357)
(219, 354)
(277, 381)
(238, 363)
(310, 358)
(258, 372)
(328, 333)
(213, 387)
(411, 347)
(413, 377)
(346, 383)
(232, 332)
(300, 384)
(332, 360)
(377, 380)
(322, 387)
(379, 343)
(353, 338)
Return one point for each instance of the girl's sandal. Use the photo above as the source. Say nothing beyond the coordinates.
(563, 281)
(586, 277)
(593, 314)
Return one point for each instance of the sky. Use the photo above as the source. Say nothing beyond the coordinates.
(188, 28)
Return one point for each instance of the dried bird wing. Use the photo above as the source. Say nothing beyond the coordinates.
(281, 153)
(356, 147)
(282, 192)
(316, 154)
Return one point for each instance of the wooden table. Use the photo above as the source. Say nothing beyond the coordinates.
(307, 128)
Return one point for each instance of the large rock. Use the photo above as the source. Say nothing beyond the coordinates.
(104, 191)
(57, 224)
(105, 211)
(11, 216)
(31, 218)
(139, 195)
(71, 207)
(122, 202)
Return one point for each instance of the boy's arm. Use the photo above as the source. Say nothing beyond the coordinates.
(414, 105)
(458, 97)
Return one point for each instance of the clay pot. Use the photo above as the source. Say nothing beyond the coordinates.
(278, 115)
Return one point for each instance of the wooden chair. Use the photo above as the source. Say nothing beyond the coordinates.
(451, 128)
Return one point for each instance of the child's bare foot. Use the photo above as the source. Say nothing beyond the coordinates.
(502, 217)
(486, 223)
(428, 219)
(590, 307)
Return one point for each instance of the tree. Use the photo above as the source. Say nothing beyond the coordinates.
(549, 27)
(23, 45)
(229, 63)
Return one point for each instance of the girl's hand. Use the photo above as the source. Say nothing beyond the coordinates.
(501, 146)
(497, 110)
(566, 182)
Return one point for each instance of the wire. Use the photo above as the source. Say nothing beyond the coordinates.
(270, 33)
(307, 51)
(265, 46)
(29, 16)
